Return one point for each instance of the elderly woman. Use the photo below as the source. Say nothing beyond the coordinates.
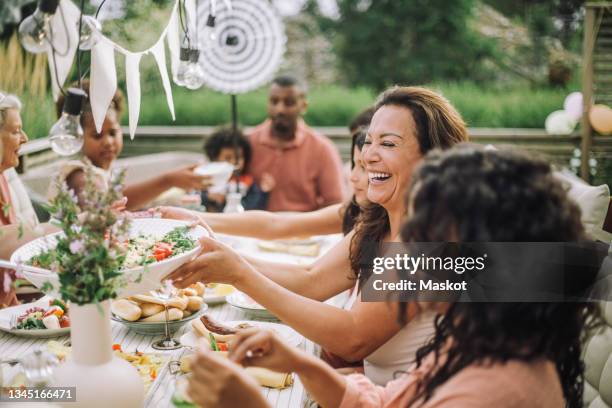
(408, 122)
(519, 354)
(18, 222)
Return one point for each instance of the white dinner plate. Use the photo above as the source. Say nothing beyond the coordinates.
(243, 302)
(7, 314)
(290, 336)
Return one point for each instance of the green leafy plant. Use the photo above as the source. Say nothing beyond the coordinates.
(90, 251)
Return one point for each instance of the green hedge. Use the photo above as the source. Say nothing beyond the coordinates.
(481, 106)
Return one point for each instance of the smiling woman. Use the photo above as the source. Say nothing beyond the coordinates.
(408, 122)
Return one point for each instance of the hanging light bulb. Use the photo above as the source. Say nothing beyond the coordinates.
(184, 65)
(90, 30)
(34, 30)
(194, 77)
(66, 135)
(210, 28)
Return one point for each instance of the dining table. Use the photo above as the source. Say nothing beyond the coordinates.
(161, 391)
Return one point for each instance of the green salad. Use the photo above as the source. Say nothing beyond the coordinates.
(140, 250)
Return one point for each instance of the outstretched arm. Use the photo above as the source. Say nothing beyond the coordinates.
(352, 335)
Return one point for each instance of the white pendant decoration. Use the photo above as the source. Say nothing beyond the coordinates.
(65, 42)
(159, 52)
(103, 72)
(103, 81)
(190, 8)
(174, 42)
(132, 79)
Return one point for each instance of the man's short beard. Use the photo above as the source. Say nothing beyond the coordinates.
(283, 131)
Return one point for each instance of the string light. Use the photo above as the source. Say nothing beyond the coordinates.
(34, 31)
(66, 135)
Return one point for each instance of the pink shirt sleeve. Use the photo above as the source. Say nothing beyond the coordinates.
(362, 393)
(330, 185)
(510, 385)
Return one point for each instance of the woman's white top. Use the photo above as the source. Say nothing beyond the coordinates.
(399, 352)
(26, 216)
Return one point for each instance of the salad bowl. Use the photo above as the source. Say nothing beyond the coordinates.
(140, 277)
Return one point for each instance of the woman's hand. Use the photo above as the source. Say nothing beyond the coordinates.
(263, 348)
(216, 263)
(218, 382)
(182, 214)
(186, 179)
(177, 213)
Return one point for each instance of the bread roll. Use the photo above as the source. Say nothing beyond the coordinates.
(187, 313)
(173, 314)
(149, 309)
(126, 309)
(195, 303)
(199, 287)
(177, 302)
(190, 292)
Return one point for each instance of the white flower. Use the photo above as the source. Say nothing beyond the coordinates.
(77, 246)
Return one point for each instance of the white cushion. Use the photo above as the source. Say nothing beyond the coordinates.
(593, 202)
(598, 364)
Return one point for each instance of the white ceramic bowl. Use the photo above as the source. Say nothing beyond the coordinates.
(220, 172)
(141, 279)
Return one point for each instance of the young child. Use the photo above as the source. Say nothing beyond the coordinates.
(220, 147)
(102, 149)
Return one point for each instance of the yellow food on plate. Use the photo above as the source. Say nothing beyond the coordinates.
(265, 377)
(223, 290)
(148, 365)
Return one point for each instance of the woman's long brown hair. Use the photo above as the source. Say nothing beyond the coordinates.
(438, 125)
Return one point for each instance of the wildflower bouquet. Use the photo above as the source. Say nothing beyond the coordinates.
(89, 254)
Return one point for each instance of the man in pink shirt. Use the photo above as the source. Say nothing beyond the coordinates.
(304, 164)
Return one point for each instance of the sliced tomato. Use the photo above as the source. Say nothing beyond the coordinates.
(160, 256)
(65, 321)
(222, 346)
(117, 347)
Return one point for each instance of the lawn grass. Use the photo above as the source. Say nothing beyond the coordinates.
(481, 106)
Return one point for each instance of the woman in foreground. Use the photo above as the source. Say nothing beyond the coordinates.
(482, 354)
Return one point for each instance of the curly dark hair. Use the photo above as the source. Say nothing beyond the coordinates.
(472, 194)
(224, 138)
(438, 125)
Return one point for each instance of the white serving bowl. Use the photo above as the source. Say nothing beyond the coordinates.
(220, 172)
(141, 279)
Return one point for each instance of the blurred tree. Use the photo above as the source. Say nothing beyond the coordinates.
(384, 42)
(563, 17)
